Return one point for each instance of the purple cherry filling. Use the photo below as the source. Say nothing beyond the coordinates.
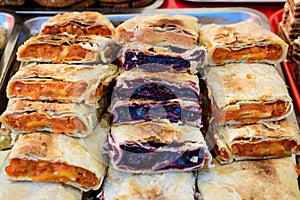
(140, 89)
(133, 59)
(148, 157)
(173, 111)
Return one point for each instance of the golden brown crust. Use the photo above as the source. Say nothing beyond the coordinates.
(62, 82)
(237, 36)
(123, 186)
(161, 132)
(267, 140)
(57, 148)
(160, 29)
(82, 19)
(233, 85)
(80, 118)
(67, 48)
(263, 179)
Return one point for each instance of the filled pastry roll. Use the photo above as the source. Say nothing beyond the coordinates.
(78, 23)
(149, 147)
(242, 42)
(163, 30)
(155, 58)
(157, 86)
(72, 119)
(244, 93)
(124, 186)
(175, 110)
(63, 83)
(263, 179)
(43, 157)
(67, 48)
(256, 141)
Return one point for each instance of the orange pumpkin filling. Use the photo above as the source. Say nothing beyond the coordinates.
(45, 171)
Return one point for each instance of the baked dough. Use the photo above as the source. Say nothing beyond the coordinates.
(150, 147)
(156, 86)
(67, 48)
(256, 141)
(244, 93)
(79, 23)
(125, 186)
(63, 155)
(145, 57)
(261, 179)
(163, 30)
(242, 42)
(23, 116)
(62, 82)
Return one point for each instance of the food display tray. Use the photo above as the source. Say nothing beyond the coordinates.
(30, 7)
(13, 25)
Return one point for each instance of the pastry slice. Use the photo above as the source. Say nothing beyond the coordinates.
(157, 86)
(256, 141)
(62, 82)
(72, 119)
(175, 110)
(242, 42)
(43, 157)
(244, 93)
(79, 23)
(149, 147)
(163, 30)
(156, 59)
(67, 48)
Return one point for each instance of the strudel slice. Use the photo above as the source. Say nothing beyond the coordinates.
(156, 59)
(157, 147)
(242, 42)
(63, 83)
(163, 30)
(72, 119)
(67, 48)
(43, 157)
(157, 86)
(175, 110)
(244, 93)
(256, 141)
(79, 23)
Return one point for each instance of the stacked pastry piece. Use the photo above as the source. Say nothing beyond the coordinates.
(251, 113)
(55, 105)
(156, 107)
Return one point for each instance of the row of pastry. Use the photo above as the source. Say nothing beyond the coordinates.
(56, 110)
(156, 111)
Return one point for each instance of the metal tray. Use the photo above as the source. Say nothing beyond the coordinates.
(30, 7)
(13, 25)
